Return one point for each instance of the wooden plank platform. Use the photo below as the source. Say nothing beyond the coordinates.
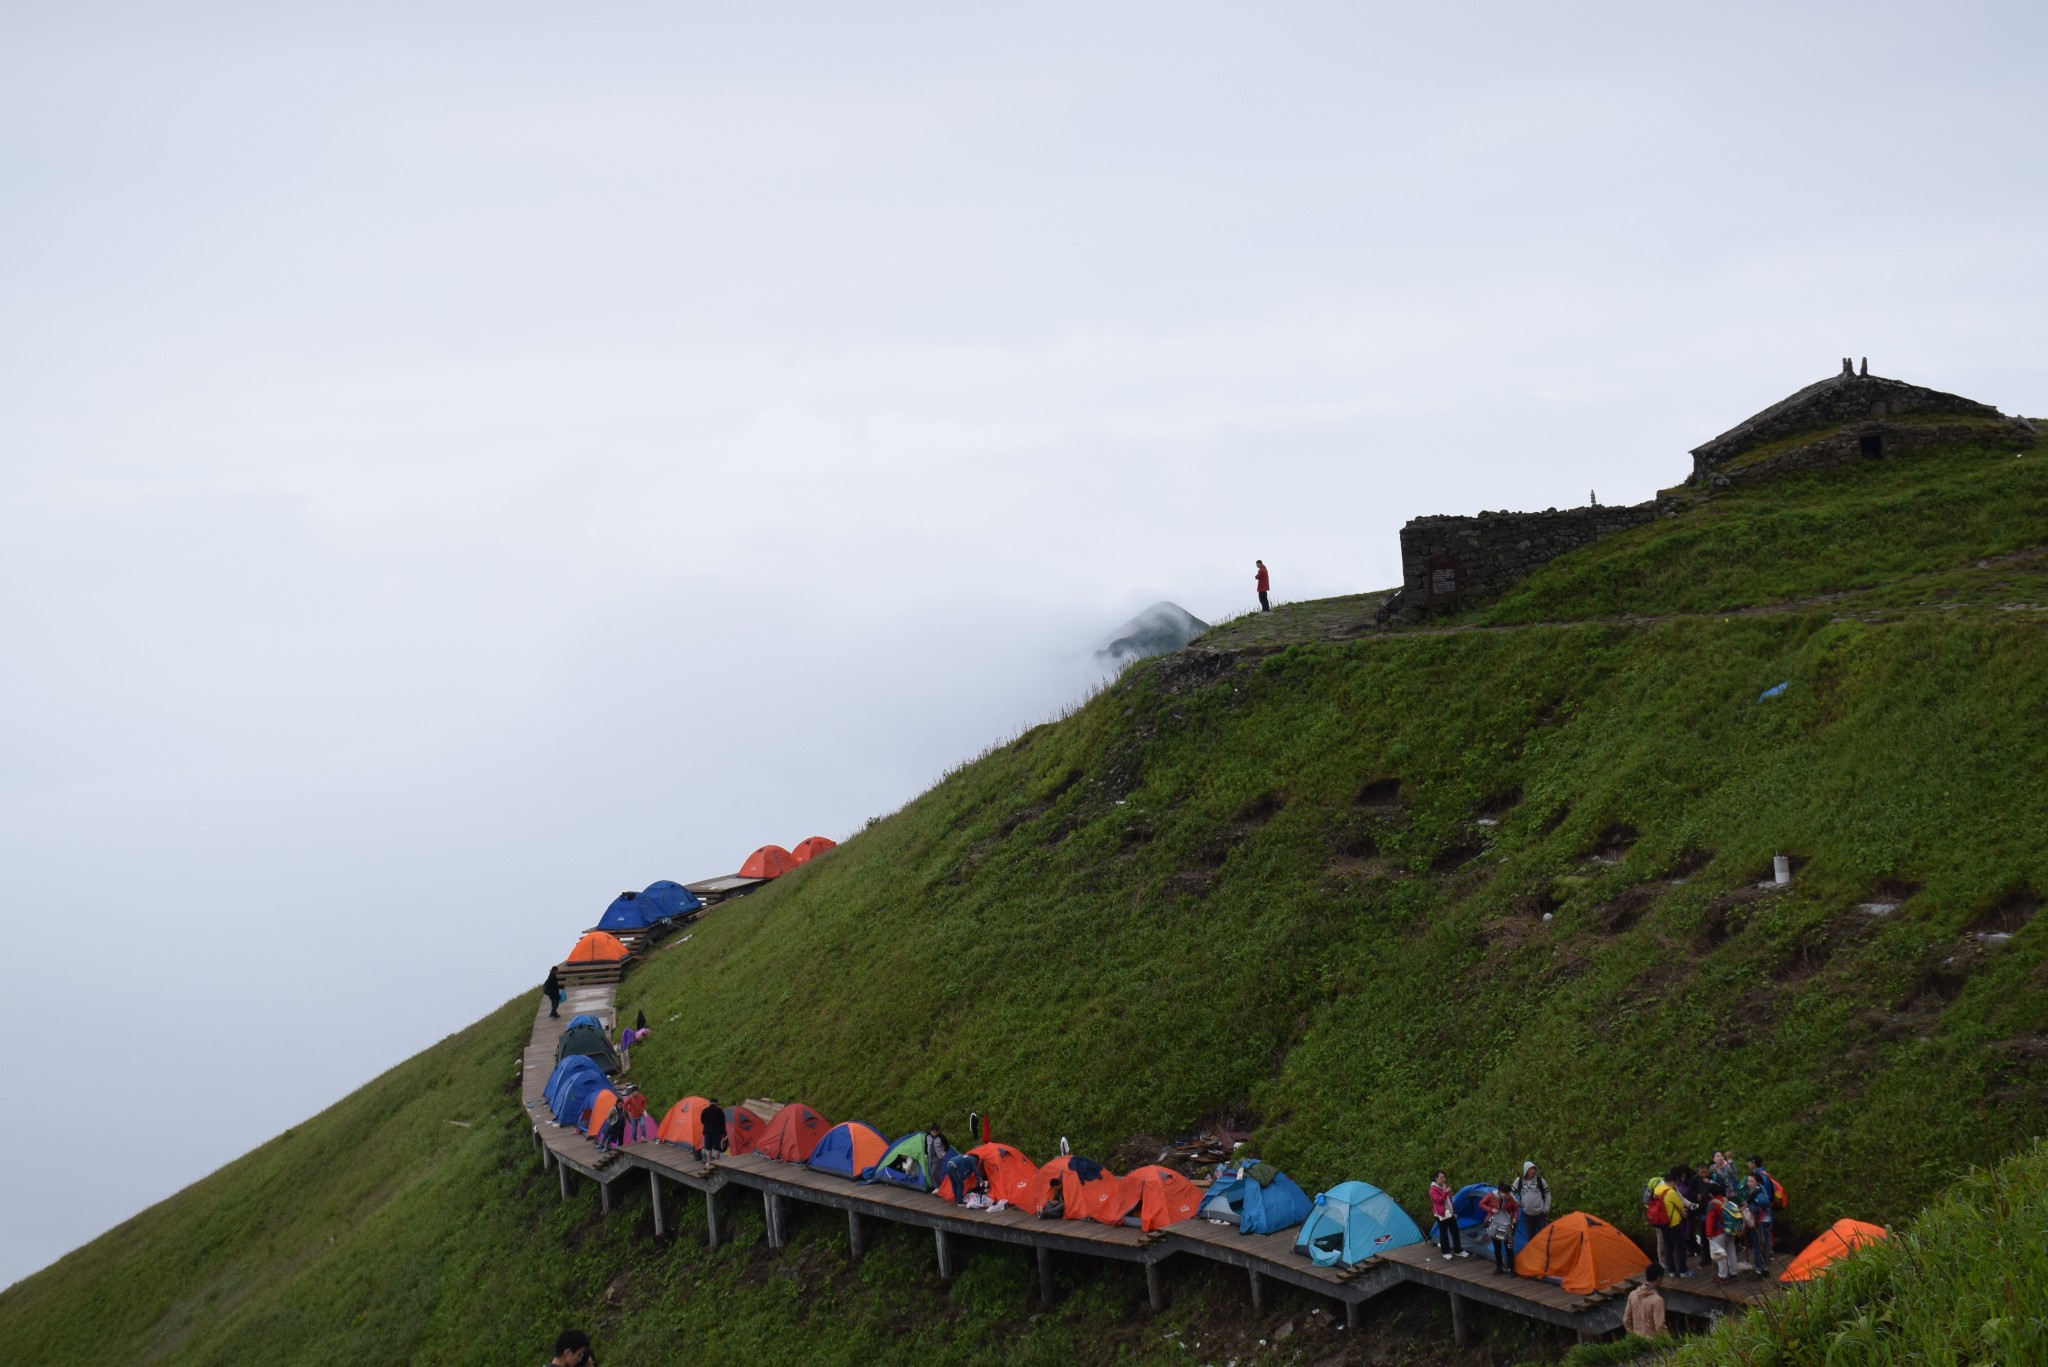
(1471, 1279)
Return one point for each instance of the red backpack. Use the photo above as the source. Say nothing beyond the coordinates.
(1654, 1211)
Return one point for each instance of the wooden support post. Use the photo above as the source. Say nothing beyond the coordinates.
(945, 1254)
(562, 1171)
(1351, 1314)
(1045, 1276)
(604, 1198)
(771, 1211)
(1258, 1289)
(711, 1216)
(1155, 1285)
(654, 1192)
(856, 1237)
(1461, 1333)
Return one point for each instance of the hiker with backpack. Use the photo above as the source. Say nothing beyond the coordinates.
(1500, 1209)
(1532, 1194)
(1664, 1210)
(1724, 1230)
(1760, 1198)
(1447, 1240)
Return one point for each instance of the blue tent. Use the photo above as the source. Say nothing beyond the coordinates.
(669, 899)
(1257, 1208)
(639, 910)
(569, 1100)
(566, 1071)
(847, 1148)
(1466, 1206)
(584, 1019)
(1351, 1222)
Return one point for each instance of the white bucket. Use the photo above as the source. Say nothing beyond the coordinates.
(1781, 868)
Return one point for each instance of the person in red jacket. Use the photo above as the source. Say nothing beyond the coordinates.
(1265, 583)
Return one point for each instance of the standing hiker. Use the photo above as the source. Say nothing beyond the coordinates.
(714, 1130)
(1532, 1194)
(1664, 1210)
(1447, 1240)
(1265, 582)
(552, 990)
(1500, 1208)
(1724, 1227)
(1759, 1196)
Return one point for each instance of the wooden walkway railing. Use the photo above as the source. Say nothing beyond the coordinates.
(1262, 1257)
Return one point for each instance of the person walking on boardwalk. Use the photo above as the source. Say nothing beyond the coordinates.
(1643, 1316)
(572, 1349)
(552, 990)
(1532, 1194)
(1265, 582)
(1500, 1209)
(1447, 1240)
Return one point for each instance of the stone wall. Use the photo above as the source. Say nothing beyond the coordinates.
(1864, 441)
(1446, 561)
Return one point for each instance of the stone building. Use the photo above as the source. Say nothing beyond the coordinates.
(1448, 561)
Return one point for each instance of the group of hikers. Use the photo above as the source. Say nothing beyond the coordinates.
(1712, 1211)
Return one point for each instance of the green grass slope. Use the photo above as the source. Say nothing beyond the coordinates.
(1453, 896)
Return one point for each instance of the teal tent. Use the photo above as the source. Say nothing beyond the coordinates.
(1351, 1222)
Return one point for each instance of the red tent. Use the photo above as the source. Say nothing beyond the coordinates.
(598, 948)
(792, 1135)
(1835, 1242)
(743, 1130)
(806, 850)
(770, 861)
(1010, 1174)
(1157, 1196)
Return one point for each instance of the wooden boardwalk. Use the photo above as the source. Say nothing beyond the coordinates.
(1263, 1258)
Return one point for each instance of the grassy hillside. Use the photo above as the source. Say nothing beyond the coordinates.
(1456, 897)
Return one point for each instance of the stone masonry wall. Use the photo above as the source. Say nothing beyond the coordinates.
(1485, 554)
(1893, 439)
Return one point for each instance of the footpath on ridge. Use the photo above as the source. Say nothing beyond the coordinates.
(782, 1186)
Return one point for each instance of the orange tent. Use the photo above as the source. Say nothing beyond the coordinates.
(807, 850)
(1159, 1196)
(601, 1111)
(1582, 1253)
(770, 861)
(1082, 1198)
(598, 948)
(792, 1135)
(1834, 1242)
(743, 1129)
(1010, 1174)
(684, 1123)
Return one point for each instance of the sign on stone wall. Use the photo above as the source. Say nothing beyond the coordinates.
(1443, 580)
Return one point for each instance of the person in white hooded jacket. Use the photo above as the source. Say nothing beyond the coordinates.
(1533, 1193)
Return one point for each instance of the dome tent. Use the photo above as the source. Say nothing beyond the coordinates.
(1582, 1253)
(1259, 1198)
(793, 1135)
(597, 947)
(804, 851)
(588, 1040)
(1351, 1222)
(770, 861)
(1151, 1197)
(848, 1148)
(1835, 1242)
(1008, 1171)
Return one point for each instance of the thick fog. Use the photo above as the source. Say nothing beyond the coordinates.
(460, 461)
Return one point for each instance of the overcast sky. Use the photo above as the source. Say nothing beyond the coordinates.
(459, 461)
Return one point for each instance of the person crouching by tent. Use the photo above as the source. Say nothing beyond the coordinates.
(552, 990)
(714, 1131)
(629, 1037)
(964, 1169)
(1500, 1209)
(1447, 1240)
(1532, 1194)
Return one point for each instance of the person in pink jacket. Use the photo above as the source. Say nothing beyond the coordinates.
(1447, 1240)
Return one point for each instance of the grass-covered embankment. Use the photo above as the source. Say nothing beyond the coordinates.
(1430, 898)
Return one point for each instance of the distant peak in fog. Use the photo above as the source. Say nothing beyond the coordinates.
(1158, 629)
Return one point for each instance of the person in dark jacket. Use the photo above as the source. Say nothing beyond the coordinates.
(714, 1131)
(552, 990)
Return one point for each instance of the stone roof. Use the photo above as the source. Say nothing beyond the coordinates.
(1844, 398)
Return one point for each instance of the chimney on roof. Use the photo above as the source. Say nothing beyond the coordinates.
(1848, 366)
(1865, 370)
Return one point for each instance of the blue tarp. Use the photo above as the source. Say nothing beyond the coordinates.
(1259, 1209)
(1351, 1222)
